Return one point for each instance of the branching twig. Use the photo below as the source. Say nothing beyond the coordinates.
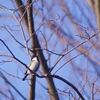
(12, 86)
(76, 56)
(71, 85)
(16, 58)
(71, 51)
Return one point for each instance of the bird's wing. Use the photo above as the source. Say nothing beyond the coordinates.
(37, 67)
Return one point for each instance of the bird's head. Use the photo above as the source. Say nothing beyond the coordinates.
(34, 57)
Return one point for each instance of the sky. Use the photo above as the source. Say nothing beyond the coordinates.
(14, 71)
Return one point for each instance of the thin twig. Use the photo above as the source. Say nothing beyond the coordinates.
(12, 86)
(71, 51)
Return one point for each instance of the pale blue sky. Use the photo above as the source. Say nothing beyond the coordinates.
(20, 53)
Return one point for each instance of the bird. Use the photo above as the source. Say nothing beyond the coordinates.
(34, 66)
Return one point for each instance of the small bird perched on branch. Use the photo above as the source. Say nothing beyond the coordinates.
(34, 66)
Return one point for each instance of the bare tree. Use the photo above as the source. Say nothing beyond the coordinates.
(64, 35)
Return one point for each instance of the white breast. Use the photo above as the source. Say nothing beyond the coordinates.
(33, 66)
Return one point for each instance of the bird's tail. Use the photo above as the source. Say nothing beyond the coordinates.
(25, 77)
